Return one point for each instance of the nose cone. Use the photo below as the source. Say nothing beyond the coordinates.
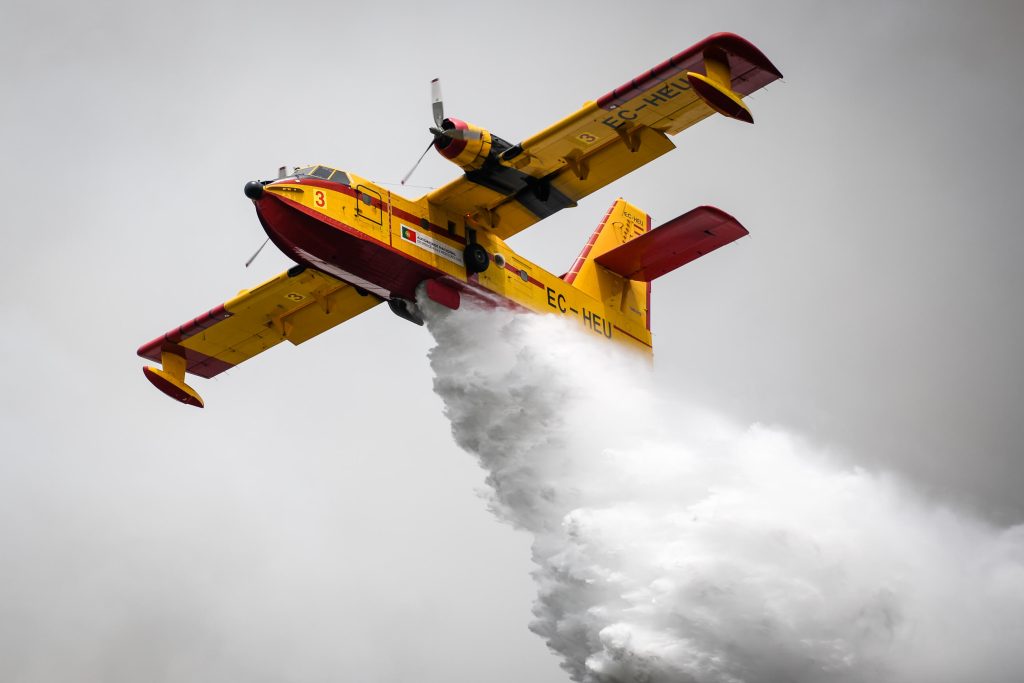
(253, 189)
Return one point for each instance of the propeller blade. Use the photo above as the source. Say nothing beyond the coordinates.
(436, 103)
(416, 165)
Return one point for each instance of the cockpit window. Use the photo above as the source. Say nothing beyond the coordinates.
(323, 172)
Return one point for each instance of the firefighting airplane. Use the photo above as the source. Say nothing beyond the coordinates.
(357, 244)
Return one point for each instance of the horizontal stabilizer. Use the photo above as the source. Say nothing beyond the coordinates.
(673, 244)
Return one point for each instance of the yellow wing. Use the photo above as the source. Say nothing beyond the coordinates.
(295, 306)
(608, 138)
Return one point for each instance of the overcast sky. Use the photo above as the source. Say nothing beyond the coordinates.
(317, 518)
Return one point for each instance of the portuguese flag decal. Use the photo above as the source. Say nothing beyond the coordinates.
(424, 241)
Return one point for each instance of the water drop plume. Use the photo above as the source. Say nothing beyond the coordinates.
(672, 544)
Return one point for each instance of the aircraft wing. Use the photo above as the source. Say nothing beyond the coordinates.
(610, 137)
(295, 306)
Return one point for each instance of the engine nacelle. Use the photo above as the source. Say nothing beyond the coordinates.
(468, 151)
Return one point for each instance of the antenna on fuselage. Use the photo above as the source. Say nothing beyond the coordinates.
(253, 257)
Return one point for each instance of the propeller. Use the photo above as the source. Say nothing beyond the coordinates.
(443, 128)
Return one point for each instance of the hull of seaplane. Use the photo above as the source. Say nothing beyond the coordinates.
(341, 250)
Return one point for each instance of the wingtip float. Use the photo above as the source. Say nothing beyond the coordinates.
(170, 379)
(357, 244)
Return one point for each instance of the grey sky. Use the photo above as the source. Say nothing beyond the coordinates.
(317, 518)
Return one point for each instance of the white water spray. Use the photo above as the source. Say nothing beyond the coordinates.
(673, 545)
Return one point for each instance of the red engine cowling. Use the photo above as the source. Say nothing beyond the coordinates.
(470, 150)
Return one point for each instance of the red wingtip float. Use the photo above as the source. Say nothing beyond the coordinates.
(356, 244)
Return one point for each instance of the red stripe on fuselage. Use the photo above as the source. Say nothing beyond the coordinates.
(619, 329)
(529, 278)
(418, 222)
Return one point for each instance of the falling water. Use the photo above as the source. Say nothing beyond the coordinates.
(672, 544)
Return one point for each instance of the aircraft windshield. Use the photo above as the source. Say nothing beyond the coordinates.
(325, 173)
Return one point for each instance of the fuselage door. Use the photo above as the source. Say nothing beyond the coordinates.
(369, 206)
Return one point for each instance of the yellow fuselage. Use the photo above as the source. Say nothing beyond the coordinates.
(387, 245)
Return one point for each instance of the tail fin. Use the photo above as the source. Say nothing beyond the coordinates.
(624, 254)
(623, 223)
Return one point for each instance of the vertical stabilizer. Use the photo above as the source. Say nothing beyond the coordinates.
(623, 223)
